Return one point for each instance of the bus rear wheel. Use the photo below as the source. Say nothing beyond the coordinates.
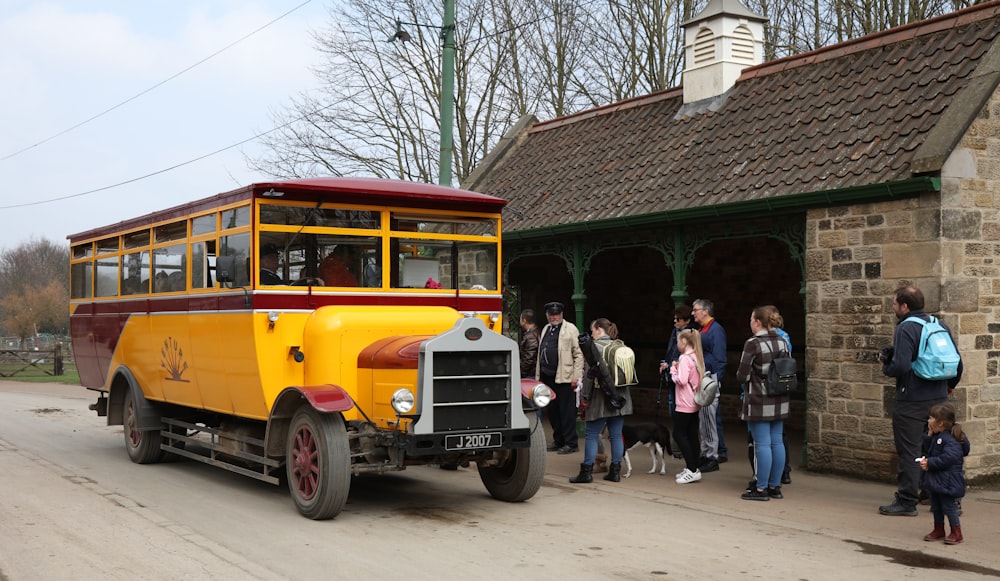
(520, 476)
(318, 463)
(143, 446)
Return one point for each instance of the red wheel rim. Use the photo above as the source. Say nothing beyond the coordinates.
(134, 435)
(305, 463)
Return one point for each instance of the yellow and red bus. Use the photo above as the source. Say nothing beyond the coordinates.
(323, 327)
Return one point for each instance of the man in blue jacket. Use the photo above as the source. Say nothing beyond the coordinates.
(914, 398)
(713, 345)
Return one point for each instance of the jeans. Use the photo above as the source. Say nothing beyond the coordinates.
(942, 505)
(594, 428)
(909, 424)
(769, 452)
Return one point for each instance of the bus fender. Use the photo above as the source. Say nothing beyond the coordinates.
(147, 414)
(327, 398)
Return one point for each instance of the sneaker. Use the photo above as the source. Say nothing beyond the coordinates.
(774, 492)
(681, 473)
(897, 508)
(710, 466)
(568, 450)
(752, 485)
(688, 477)
(755, 495)
(786, 477)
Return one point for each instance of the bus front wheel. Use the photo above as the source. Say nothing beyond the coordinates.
(318, 463)
(520, 476)
(143, 446)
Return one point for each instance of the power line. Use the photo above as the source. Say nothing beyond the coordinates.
(173, 167)
(157, 85)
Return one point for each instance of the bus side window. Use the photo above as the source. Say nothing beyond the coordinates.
(237, 248)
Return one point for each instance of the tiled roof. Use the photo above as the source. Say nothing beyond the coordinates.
(850, 115)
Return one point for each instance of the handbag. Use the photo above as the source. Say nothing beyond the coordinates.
(709, 389)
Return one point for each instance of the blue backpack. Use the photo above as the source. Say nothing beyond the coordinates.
(937, 357)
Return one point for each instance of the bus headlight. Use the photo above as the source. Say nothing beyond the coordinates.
(541, 395)
(402, 401)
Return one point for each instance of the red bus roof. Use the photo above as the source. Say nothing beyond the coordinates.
(344, 190)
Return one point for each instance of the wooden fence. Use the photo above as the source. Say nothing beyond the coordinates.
(31, 361)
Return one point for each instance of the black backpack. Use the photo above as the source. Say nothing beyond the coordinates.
(781, 378)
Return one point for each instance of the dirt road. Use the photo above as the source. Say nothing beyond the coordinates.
(72, 506)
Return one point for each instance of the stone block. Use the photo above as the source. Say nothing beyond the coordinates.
(868, 253)
(911, 260)
(841, 254)
(991, 231)
(961, 224)
(869, 391)
(847, 424)
(832, 438)
(960, 295)
(835, 289)
(858, 441)
(862, 306)
(968, 324)
(848, 271)
(850, 223)
(819, 457)
(818, 265)
(832, 239)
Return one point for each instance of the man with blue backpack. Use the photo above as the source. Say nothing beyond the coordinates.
(927, 367)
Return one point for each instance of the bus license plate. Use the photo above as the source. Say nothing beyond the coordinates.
(473, 441)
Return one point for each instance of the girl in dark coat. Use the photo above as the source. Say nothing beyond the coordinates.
(943, 475)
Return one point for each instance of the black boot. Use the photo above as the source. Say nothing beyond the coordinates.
(614, 472)
(585, 476)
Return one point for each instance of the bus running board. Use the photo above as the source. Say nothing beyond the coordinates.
(177, 438)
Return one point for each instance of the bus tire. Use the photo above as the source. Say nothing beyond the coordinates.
(318, 463)
(520, 477)
(143, 446)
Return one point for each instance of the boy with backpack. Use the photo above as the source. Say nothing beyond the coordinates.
(919, 386)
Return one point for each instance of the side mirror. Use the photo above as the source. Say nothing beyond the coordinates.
(225, 269)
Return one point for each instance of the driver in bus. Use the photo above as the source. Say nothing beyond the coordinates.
(269, 256)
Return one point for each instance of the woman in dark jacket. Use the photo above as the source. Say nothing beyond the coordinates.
(943, 471)
(597, 410)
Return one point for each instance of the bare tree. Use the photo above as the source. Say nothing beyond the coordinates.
(378, 110)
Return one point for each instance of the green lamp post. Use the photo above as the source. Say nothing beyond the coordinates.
(447, 112)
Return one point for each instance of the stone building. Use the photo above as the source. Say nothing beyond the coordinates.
(819, 182)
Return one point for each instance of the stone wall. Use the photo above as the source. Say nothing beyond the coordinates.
(945, 244)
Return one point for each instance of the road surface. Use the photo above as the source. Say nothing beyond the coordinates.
(72, 506)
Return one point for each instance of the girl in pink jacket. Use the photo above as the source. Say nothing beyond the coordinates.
(687, 372)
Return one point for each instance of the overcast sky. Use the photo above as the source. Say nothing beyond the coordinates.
(64, 61)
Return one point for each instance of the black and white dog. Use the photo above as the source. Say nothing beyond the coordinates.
(656, 437)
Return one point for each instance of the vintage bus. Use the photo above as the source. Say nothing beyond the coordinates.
(316, 328)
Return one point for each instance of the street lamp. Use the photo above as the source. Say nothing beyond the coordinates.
(447, 29)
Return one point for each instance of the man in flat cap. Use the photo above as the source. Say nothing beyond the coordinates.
(560, 366)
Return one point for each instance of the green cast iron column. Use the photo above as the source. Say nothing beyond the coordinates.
(447, 92)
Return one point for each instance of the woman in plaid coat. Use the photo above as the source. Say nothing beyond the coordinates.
(765, 414)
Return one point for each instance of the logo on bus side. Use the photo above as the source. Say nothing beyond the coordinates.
(173, 360)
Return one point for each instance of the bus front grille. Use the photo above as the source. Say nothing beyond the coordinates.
(472, 390)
